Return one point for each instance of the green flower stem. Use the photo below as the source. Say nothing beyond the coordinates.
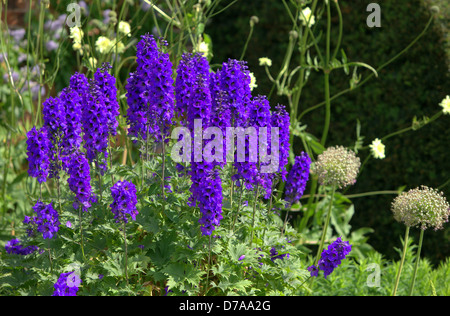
(417, 262)
(254, 211)
(325, 227)
(405, 245)
(126, 251)
(81, 232)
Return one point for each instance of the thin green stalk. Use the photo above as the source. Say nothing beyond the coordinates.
(126, 251)
(405, 245)
(325, 227)
(417, 262)
(254, 211)
(209, 265)
(248, 40)
(327, 79)
(81, 232)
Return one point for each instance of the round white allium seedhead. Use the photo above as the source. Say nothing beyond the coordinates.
(422, 207)
(337, 166)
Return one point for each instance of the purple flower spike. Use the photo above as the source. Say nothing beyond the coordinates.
(124, 196)
(331, 258)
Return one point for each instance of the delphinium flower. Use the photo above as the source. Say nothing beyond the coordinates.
(124, 201)
(72, 137)
(234, 79)
(331, 257)
(281, 119)
(14, 246)
(337, 166)
(206, 187)
(377, 149)
(54, 116)
(107, 85)
(297, 178)
(67, 285)
(188, 70)
(150, 92)
(248, 171)
(421, 207)
(80, 180)
(46, 220)
(38, 150)
(209, 201)
(95, 126)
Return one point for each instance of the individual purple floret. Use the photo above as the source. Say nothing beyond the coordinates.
(38, 150)
(124, 201)
(331, 258)
(67, 285)
(297, 178)
(80, 180)
(14, 246)
(46, 220)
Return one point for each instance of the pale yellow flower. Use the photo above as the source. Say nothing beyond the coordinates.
(264, 61)
(252, 81)
(124, 28)
(445, 105)
(103, 45)
(307, 18)
(203, 48)
(377, 149)
(76, 34)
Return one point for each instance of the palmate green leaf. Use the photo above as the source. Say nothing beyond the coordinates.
(180, 273)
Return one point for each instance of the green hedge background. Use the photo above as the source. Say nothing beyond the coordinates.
(412, 86)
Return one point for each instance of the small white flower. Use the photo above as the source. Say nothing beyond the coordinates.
(124, 28)
(252, 81)
(264, 61)
(103, 45)
(445, 105)
(203, 48)
(377, 148)
(307, 18)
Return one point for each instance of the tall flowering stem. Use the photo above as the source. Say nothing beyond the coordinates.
(124, 205)
(150, 95)
(337, 167)
(421, 207)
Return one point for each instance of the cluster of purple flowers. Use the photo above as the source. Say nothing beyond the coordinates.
(331, 258)
(150, 92)
(297, 178)
(46, 221)
(14, 246)
(274, 254)
(124, 201)
(80, 180)
(67, 284)
(38, 146)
